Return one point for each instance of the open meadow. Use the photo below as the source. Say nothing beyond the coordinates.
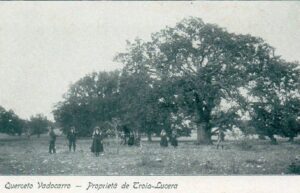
(21, 156)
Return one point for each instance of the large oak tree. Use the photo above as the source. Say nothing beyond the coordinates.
(210, 64)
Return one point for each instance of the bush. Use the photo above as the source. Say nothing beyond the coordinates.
(244, 145)
(294, 167)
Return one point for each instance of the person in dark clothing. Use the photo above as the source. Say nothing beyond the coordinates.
(174, 141)
(163, 139)
(52, 136)
(72, 135)
(97, 145)
(124, 133)
(131, 139)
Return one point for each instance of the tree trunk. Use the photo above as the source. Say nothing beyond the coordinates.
(204, 135)
(273, 139)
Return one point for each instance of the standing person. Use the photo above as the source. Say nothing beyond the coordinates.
(97, 145)
(221, 138)
(123, 138)
(127, 133)
(52, 136)
(28, 133)
(72, 135)
(163, 138)
(131, 139)
(174, 141)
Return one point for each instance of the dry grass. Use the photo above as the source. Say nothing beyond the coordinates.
(30, 157)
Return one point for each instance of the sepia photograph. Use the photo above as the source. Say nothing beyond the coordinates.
(191, 88)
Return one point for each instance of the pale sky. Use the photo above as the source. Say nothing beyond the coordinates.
(46, 46)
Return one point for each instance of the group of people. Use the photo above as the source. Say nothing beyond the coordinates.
(164, 139)
(97, 144)
(174, 142)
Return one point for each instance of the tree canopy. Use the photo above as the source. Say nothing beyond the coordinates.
(206, 65)
(38, 125)
(195, 73)
(10, 123)
(89, 102)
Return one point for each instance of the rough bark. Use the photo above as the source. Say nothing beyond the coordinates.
(204, 135)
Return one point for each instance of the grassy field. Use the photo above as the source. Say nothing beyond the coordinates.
(20, 156)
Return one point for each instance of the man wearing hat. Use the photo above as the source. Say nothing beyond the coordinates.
(72, 138)
(52, 140)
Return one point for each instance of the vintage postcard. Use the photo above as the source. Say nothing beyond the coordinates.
(154, 96)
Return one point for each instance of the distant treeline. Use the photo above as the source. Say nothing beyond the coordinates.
(12, 124)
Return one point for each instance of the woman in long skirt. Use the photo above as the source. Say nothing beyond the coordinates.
(163, 139)
(97, 145)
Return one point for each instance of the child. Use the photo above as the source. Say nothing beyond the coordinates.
(97, 145)
(72, 139)
(52, 140)
(163, 139)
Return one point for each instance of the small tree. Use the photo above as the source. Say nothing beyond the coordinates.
(38, 124)
(10, 123)
(91, 101)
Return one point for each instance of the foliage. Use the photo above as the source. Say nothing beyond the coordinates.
(138, 103)
(38, 124)
(202, 62)
(196, 73)
(148, 104)
(91, 101)
(294, 167)
(275, 104)
(10, 123)
(226, 120)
